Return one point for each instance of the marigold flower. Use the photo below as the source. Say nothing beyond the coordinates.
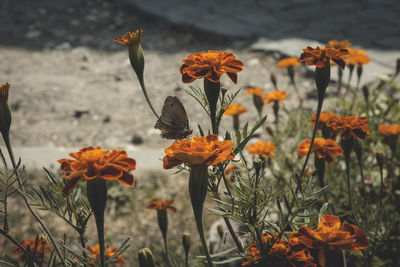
(280, 250)
(31, 246)
(350, 126)
(130, 37)
(210, 65)
(203, 150)
(255, 91)
(339, 44)
(324, 117)
(324, 149)
(156, 204)
(275, 96)
(358, 57)
(321, 56)
(91, 163)
(264, 150)
(391, 133)
(289, 62)
(331, 236)
(235, 109)
(389, 129)
(108, 254)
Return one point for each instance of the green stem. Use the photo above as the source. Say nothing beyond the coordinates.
(141, 81)
(236, 123)
(347, 147)
(20, 184)
(97, 196)
(198, 183)
(212, 89)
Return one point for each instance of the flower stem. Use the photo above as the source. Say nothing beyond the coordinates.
(97, 196)
(347, 146)
(198, 183)
(141, 81)
(48, 233)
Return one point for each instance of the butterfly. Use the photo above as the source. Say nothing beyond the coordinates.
(173, 122)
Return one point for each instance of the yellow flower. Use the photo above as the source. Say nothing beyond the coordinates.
(235, 109)
(264, 150)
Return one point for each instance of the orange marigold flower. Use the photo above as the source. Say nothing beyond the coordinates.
(4, 89)
(156, 204)
(324, 117)
(91, 163)
(108, 254)
(203, 150)
(389, 129)
(339, 44)
(235, 109)
(255, 91)
(321, 56)
(330, 236)
(130, 37)
(210, 65)
(38, 246)
(324, 149)
(279, 95)
(289, 62)
(391, 133)
(280, 252)
(358, 57)
(350, 126)
(264, 150)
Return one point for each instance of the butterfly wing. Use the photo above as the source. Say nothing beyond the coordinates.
(173, 122)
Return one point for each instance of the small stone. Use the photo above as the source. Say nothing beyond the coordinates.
(117, 78)
(63, 46)
(107, 119)
(80, 112)
(32, 34)
(137, 139)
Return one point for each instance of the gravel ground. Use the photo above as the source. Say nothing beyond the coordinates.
(73, 86)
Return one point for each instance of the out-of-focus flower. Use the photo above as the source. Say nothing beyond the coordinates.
(350, 126)
(339, 44)
(324, 149)
(210, 65)
(358, 57)
(289, 62)
(279, 96)
(324, 117)
(280, 251)
(262, 149)
(204, 150)
(130, 37)
(331, 236)
(389, 129)
(391, 133)
(156, 204)
(93, 163)
(321, 56)
(38, 246)
(109, 253)
(235, 110)
(255, 91)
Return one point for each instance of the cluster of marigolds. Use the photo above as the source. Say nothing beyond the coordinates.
(329, 238)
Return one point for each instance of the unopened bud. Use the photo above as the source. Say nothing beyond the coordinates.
(145, 258)
(5, 112)
(365, 90)
(132, 40)
(223, 91)
(398, 66)
(186, 242)
(220, 231)
(274, 81)
(269, 130)
(380, 158)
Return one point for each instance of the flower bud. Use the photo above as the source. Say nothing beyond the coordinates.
(274, 81)
(269, 131)
(397, 66)
(220, 231)
(379, 158)
(365, 90)
(5, 112)
(186, 242)
(145, 258)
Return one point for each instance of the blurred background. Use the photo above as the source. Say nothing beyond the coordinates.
(72, 86)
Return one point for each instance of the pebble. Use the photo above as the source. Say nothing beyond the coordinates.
(137, 139)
